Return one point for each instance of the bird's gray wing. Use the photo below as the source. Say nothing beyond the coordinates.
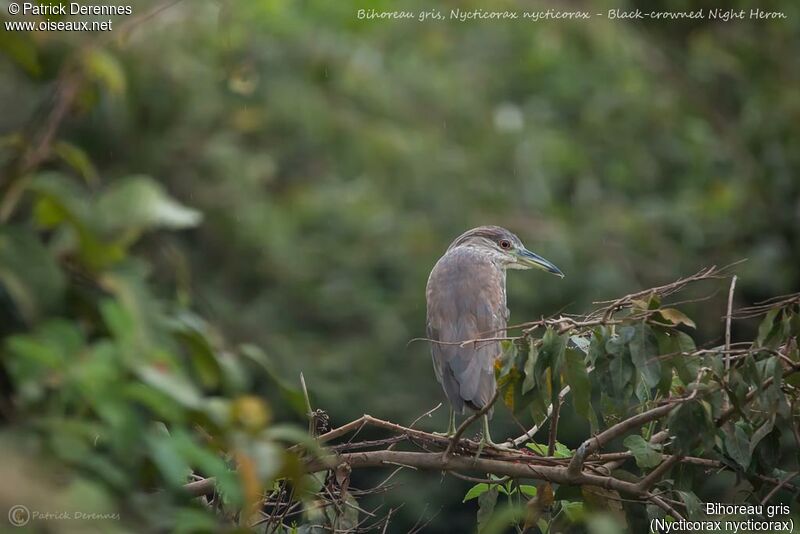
(466, 300)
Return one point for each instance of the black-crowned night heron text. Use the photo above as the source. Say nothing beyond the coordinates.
(466, 297)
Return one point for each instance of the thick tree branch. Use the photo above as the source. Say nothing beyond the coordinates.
(655, 475)
(594, 443)
(431, 461)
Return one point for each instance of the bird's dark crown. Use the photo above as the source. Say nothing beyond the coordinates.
(491, 233)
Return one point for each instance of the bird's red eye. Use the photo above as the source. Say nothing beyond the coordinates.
(505, 244)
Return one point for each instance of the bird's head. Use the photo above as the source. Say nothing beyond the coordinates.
(505, 248)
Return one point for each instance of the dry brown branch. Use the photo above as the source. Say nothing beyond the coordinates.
(605, 312)
(782, 483)
(763, 307)
(655, 475)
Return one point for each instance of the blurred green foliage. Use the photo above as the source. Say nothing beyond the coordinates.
(113, 382)
(332, 161)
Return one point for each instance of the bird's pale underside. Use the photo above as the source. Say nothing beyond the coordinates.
(466, 300)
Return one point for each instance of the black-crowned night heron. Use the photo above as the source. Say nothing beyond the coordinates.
(466, 296)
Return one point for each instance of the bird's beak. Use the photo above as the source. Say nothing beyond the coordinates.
(530, 259)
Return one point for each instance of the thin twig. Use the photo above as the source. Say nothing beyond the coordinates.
(312, 424)
(785, 480)
(726, 399)
(426, 414)
(728, 316)
(551, 440)
(477, 480)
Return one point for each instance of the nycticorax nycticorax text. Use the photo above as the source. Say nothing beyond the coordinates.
(466, 297)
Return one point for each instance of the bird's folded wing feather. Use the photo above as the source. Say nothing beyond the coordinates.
(466, 301)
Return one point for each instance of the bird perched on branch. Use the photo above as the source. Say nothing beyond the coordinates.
(466, 298)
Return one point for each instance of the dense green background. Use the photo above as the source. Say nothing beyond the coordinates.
(333, 160)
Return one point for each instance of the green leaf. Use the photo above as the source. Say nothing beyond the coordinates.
(105, 69)
(644, 453)
(538, 407)
(562, 451)
(604, 523)
(737, 445)
(768, 451)
(553, 346)
(21, 48)
(667, 377)
(346, 519)
(765, 327)
(691, 425)
(499, 521)
(551, 355)
(673, 344)
(617, 344)
(160, 404)
(190, 520)
(173, 466)
(139, 310)
(761, 432)
(191, 331)
(34, 359)
(508, 357)
(527, 490)
(530, 366)
(139, 203)
(59, 199)
(578, 379)
(78, 159)
(293, 396)
(538, 448)
(486, 503)
(574, 511)
(476, 491)
(644, 354)
(171, 384)
(61, 203)
(693, 505)
(597, 344)
(29, 275)
(621, 371)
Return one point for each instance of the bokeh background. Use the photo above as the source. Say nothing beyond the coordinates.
(334, 159)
